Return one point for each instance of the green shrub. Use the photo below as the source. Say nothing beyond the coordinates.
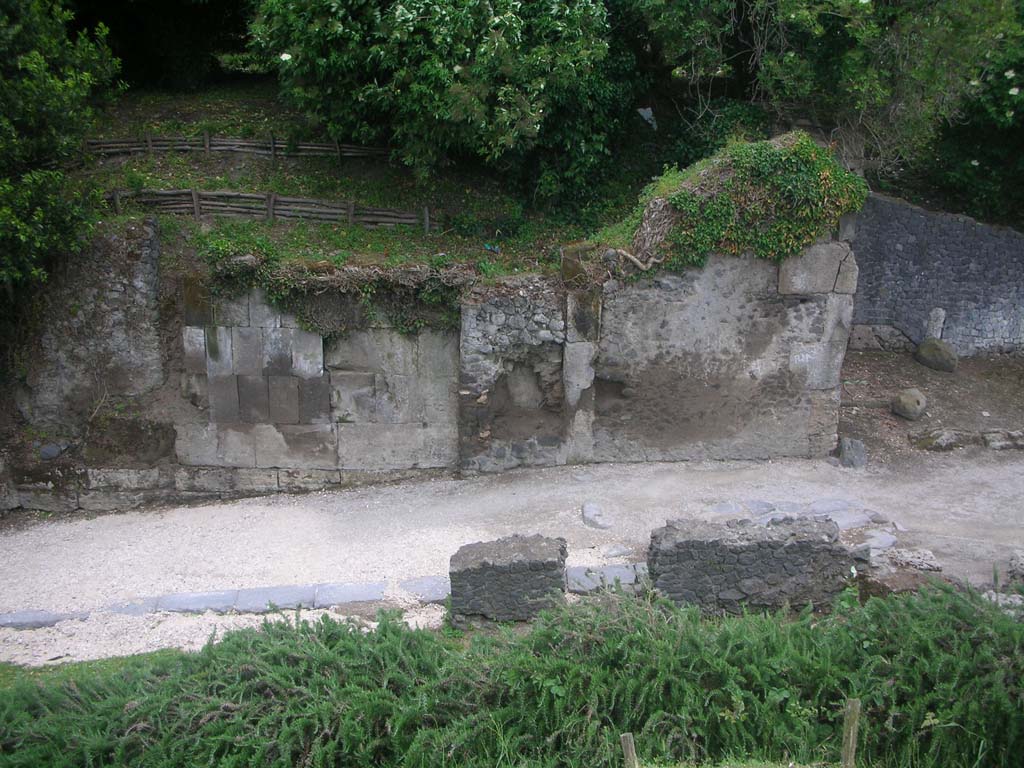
(527, 88)
(770, 198)
(48, 85)
(939, 675)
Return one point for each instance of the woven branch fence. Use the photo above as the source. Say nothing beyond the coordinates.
(268, 206)
(269, 147)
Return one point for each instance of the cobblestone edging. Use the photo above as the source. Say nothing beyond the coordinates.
(427, 589)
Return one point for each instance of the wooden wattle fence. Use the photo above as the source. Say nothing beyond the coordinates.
(270, 147)
(268, 206)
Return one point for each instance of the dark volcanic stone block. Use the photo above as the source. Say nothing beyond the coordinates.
(720, 566)
(511, 579)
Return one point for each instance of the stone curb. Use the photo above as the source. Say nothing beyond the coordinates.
(581, 580)
(256, 600)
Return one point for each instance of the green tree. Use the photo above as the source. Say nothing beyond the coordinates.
(48, 83)
(528, 88)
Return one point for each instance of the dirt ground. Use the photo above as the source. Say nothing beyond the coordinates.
(984, 393)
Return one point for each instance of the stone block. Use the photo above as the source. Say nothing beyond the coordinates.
(315, 401)
(381, 446)
(577, 370)
(582, 316)
(214, 445)
(195, 389)
(261, 313)
(397, 399)
(253, 399)
(846, 280)
(223, 394)
(231, 312)
(852, 453)
(196, 300)
(295, 480)
(106, 500)
(35, 619)
(346, 593)
(814, 270)
(44, 499)
(721, 567)
(307, 354)
(375, 350)
(219, 361)
(277, 351)
(284, 399)
(254, 480)
(296, 446)
(203, 479)
(439, 399)
(263, 599)
(247, 351)
(437, 353)
(124, 479)
(353, 397)
(511, 579)
(198, 602)
(193, 341)
(428, 589)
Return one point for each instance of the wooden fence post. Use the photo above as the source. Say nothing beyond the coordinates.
(271, 203)
(149, 143)
(351, 212)
(206, 142)
(426, 219)
(273, 147)
(337, 148)
(117, 202)
(195, 203)
(850, 723)
(629, 750)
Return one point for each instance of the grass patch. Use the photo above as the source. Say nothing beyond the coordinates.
(939, 675)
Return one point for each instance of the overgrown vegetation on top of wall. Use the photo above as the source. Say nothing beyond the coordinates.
(770, 198)
(328, 297)
(940, 675)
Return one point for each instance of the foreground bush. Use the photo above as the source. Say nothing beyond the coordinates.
(939, 674)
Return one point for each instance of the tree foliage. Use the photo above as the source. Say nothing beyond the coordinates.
(528, 88)
(48, 84)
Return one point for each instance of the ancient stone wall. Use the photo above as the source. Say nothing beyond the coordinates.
(914, 261)
(739, 359)
(280, 397)
(99, 339)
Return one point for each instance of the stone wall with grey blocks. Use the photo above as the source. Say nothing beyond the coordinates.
(280, 396)
(913, 261)
(722, 567)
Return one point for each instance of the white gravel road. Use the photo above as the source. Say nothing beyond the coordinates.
(966, 507)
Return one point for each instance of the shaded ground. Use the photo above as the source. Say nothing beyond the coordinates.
(984, 393)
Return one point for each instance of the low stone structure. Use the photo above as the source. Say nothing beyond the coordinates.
(510, 579)
(722, 566)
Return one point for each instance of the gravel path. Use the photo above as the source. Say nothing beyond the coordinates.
(965, 507)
